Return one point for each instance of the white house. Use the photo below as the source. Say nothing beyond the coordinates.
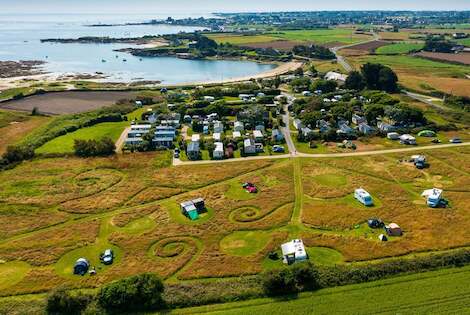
(249, 146)
(238, 126)
(335, 76)
(307, 93)
(195, 138)
(298, 124)
(219, 151)
(217, 136)
(293, 251)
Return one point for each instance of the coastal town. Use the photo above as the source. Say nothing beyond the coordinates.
(237, 162)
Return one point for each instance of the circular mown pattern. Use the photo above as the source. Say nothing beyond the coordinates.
(245, 243)
(12, 272)
(98, 179)
(174, 246)
(331, 180)
(246, 214)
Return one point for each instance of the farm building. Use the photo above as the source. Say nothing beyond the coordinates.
(81, 266)
(363, 197)
(218, 151)
(258, 135)
(192, 209)
(238, 126)
(192, 151)
(293, 251)
(393, 229)
(249, 146)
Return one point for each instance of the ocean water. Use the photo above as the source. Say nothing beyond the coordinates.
(20, 37)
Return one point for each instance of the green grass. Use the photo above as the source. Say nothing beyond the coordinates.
(322, 36)
(324, 256)
(244, 243)
(399, 48)
(436, 292)
(240, 39)
(237, 192)
(64, 144)
(464, 41)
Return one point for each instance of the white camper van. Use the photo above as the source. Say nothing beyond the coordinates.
(363, 196)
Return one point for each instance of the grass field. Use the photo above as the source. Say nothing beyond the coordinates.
(64, 144)
(422, 74)
(57, 209)
(241, 39)
(398, 49)
(437, 292)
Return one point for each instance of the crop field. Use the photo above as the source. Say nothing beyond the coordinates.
(16, 125)
(398, 49)
(56, 210)
(241, 39)
(436, 292)
(463, 58)
(423, 74)
(64, 144)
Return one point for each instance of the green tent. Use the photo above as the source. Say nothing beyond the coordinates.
(427, 133)
(193, 215)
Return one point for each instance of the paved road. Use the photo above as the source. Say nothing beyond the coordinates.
(426, 99)
(177, 162)
(286, 130)
(343, 61)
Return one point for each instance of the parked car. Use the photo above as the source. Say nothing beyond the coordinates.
(436, 141)
(107, 257)
(250, 187)
(455, 140)
(278, 149)
(176, 155)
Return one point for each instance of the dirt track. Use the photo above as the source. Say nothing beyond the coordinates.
(66, 102)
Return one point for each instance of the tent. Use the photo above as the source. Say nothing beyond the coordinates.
(393, 229)
(383, 238)
(375, 223)
(193, 215)
(81, 266)
(427, 133)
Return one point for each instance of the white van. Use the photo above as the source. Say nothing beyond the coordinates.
(363, 196)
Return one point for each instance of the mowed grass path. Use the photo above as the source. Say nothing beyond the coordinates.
(64, 144)
(437, 292)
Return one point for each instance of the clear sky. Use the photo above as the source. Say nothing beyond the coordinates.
(199, 6)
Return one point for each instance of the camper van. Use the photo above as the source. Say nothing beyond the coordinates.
(363, 196)
(433, 197)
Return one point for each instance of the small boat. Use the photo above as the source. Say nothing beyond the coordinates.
(124, 60)
(102, 60)
(117, 56)
(140, 59)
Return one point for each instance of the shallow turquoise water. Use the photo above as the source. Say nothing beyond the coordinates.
(20, 40)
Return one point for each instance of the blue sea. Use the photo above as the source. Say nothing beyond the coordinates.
(20, 37)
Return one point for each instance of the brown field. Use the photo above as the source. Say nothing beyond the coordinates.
(53, 208)
(15, 131)
(370, 46)
(463, 58)
(66, 102)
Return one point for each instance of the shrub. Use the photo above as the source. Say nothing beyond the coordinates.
(62, 301)
(279, 282)
(137, 293)
(87, 148)
(17, 154)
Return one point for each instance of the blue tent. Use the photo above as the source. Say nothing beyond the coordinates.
(81, 267)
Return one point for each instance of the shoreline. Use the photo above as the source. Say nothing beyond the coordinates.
(49, 78)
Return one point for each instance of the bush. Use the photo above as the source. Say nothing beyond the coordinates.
(279, 282)
(61, 301)
(137, 293)
(87, 148)
(17, 154)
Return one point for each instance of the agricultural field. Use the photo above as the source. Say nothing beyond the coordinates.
(463, 58)
(410, 294)
(241, 39)
(423, 75)
(398, 48)
(55, 210)
(65, 143)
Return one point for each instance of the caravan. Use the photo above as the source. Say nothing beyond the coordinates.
(433, 197)
(363, 196)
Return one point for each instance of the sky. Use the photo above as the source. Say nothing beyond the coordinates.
(201, 6)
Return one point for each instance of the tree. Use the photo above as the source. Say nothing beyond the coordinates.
(87, 148)
(61, 301)
(18, 154)
(374, 111)
(326, 86)
(137, 293)
(355, 81)
(379, 77)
